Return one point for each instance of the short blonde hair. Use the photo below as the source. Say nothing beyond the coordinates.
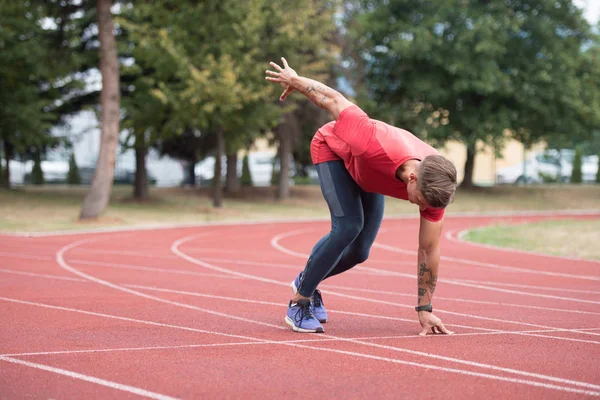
(437, 180)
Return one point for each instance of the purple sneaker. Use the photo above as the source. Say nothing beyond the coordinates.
(319, 307)
(300, 317)
(316, 300)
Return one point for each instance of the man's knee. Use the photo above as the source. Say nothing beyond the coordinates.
(347, 229)
(360, 255)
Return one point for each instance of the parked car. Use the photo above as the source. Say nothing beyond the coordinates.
(550, 165)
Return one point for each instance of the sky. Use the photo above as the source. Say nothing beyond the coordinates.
(591, 9)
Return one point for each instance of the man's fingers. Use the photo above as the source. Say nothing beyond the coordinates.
(285, 64)
(276, 66)
(273, 73)
(424, 331)
(273, 79)
(443, 329)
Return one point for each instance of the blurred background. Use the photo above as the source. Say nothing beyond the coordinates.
(508, 89)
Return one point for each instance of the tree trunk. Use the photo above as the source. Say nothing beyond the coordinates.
(7, 157)
(217, 187)
(140, 190)
(469, 167)
(285, 157)
(232, 183)
(98, 196)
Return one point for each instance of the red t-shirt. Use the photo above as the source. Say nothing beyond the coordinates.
(372, 152)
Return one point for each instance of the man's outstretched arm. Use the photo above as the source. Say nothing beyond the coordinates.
(319, 93)
(427, 274)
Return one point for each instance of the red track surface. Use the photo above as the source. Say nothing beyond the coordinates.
(198, 313)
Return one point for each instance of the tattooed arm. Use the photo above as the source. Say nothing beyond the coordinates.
(320, 94)
(427, 275)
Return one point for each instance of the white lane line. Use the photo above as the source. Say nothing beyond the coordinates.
(224, 276)
(175, 249)
(459, 299)
(61, 261)
(153, 288)
(92, 379)
(58, 277)
(275, 243)
(557, 289)
(252, 343)
(152, 269)
(356, 354)
(243, 300)
(458, 237)
(493, 266)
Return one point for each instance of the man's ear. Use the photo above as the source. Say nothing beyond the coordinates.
(412, 177)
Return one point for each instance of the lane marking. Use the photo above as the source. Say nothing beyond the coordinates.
(356, 354)
(61, 261)
(92, 379)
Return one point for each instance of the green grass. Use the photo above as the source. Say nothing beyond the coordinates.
(54, 207)
(573, 237)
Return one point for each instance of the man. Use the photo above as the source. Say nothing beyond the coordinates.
(359, 160)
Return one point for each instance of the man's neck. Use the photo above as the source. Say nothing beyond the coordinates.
(404, 171)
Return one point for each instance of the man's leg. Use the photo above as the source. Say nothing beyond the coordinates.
(358, 251)
(343, 196)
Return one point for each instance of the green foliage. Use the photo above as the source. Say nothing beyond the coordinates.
(576, 175)
(472, 70)
(73, 177)
(246, 178)
(37, 175)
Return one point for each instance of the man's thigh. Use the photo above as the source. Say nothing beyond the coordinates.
(342, 194)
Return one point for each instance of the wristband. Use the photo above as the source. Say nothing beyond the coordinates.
(428, 308)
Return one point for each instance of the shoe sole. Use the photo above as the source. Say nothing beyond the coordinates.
(295, 290)
(302, 330)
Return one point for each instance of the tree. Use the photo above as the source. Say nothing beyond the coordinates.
(470, 69)
(246, 178)
(37, 175)
(73, 177)
(98, 196)
(576, 175)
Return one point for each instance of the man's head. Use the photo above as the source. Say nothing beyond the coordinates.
(433, 184)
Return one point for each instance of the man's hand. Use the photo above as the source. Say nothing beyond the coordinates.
(283, 77)
(431, 322)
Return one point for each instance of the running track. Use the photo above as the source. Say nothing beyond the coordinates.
(197, 312)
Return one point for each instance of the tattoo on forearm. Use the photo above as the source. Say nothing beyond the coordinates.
(427, 280)
(315, 91)
(423, 269)
(432, 283)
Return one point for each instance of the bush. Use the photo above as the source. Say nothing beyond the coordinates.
(73, 177)
(576, 176)
(246, 178)
(37, 175)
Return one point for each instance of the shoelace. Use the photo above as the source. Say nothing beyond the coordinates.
(304, 311)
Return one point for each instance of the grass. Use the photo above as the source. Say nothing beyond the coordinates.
(577, 238)
(57, 207)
